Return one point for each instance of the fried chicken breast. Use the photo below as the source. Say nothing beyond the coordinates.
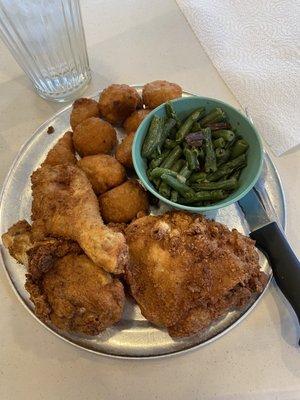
(185, 271)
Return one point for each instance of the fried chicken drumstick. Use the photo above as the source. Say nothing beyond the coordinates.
(65, 205)
(185, 271)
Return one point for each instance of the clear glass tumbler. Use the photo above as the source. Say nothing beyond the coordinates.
(46, 38)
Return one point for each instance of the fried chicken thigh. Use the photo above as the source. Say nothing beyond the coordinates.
(66, 288)
(76, 295)
(65, 205)
(185, 271)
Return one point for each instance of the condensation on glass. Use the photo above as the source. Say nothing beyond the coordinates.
(46, 38)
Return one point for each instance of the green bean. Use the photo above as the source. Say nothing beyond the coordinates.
(229, 145)
(185, 171)
(186, 126)
(174, 196)
(153, 136)
(222, 156)
(171, 113)
(154, 154)
(196, 127)
(185, 191)
(172, 134)
(239, 147)
(219, 143)
(197, 177)
(220, 152)
(227, 168)
(157, 161)
(201, 155)
(236, 174)
(191, 156)
(229, 184)
(227, 135)
(172, 157)
(210, 156)
(164, 189)
(169, 124)
(170, 144)
(158, 172)
(156, 182)
(196, 153)
(215, 115)
(178, 167)
(206, 195)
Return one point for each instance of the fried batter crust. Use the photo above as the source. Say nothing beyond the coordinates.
(76, 295)
(184, 270)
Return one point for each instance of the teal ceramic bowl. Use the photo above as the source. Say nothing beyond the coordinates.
(238, 121)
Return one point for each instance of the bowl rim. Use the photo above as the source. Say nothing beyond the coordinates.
(216, 206)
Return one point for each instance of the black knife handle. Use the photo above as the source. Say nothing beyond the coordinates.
(285, 265)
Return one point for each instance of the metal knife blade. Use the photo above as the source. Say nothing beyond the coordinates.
(254, 211)
(272, 241)
(265, 230)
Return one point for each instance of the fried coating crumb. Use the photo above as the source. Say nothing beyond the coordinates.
(158, 92)
(117, 102)
(50, 130)
(94, 136)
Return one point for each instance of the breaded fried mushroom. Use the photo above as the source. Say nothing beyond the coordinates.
(123, 151)
(134, 120)
(124, 202)
(158, 92)
(94, 136)
(103, 171)
(117, 102)
(83, 109)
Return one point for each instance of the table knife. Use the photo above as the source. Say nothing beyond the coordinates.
(271, 240)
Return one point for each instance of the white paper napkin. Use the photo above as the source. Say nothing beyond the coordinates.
(254, 44)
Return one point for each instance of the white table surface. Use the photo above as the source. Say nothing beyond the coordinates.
(133, 42)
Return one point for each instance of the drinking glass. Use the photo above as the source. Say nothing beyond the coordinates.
(46, 38)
